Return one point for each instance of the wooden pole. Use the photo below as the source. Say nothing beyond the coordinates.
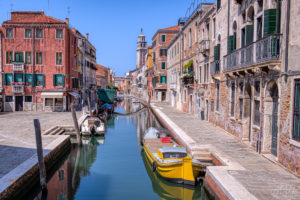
(39, 148)
(76, 125)
(89, 103)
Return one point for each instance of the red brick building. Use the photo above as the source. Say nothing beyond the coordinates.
(160, 43)
(39, 63)
(102, 76)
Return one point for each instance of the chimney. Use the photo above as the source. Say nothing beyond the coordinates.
(67, 21)
(87, 36)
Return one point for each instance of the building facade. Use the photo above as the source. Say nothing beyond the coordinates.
(238, 70)
(160, 43)
(39, 63)
(102, 76)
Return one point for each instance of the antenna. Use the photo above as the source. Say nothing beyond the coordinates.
(11, 7)
(69, 11)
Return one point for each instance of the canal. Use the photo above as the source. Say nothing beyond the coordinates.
(114, 166)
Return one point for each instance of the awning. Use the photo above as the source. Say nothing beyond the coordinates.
(52, 94)
(74, 94)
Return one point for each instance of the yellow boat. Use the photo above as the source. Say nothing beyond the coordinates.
(168, 190)
(169, 160)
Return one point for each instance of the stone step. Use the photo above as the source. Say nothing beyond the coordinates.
(60, 132)
(55, 131)
(47, 132)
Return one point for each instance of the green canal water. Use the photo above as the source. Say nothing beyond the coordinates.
(114, 166)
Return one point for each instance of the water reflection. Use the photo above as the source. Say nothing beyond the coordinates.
(116, 169)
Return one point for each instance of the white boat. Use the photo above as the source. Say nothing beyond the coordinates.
(91, 125)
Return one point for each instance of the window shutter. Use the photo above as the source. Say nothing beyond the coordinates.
(63, 80)
(269, 22)
(230, 44)
(218, 4)
(43, 77)
(234, 41)
(249, 34)
(218, 51)
(33, 80)
(4, 78)
(54, 80)
(215, 53)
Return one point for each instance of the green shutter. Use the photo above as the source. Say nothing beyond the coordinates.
(54, 80)
(28, 79)
(234, 41)
(218, 4)
(33, 83)
(270, 22)
(4, 78)
(230, 44)
(215, 53)
(249, 34)
(18, 78)
(63, 80)
(43, 77)
(9, 79)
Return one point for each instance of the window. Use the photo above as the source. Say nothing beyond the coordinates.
(257, 88)
(19, 57)
(9, 57)
(177, 48)
(241, 108)
(18, 78)
(28, 80)
(39, 58)
(163, 52)
(8, 99)
(9, 33)
(28, 33)
(256, 113)
(59, 58)
(58, 80)
(214, 27)
(8, 79)
(40, 80)
(241, 87)
(200, 74)
(153, 43)
(163, 79)
(154, 57)
(212, 106)
(163, 38)
(232, 98)
(205, 73)
(218, 4)
(163, 65)
(184, 96)
(39, 33)
(28, 98)
(218, 96)
(296, 119)
(190, 38)
(27, 57)
(184, 42)
(196, 33)
(48, 102)
(61, 176)
(59, 33)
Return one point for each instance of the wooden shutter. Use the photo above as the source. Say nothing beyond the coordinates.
(54, 80)
(63, 80)
(249, 34)
(243, 38)
(269, 22)
(216, 52)
(33, 83)
(4, 78)
(18, 77)
(43, 77)
(218, 4)
(234, 41)
(230, 43)
(296, 121)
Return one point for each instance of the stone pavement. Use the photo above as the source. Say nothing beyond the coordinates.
(252, 177)
(17, 137)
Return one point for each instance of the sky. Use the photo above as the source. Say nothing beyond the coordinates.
(113, 25)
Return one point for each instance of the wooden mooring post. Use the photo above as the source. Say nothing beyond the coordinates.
(39, 148)
(78, 135)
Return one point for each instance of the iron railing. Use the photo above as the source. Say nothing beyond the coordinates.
(18, 67)
(204, 46)
(17, 88)
(263, 50)
(215, 67)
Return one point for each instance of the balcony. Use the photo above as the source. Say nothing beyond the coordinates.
(204, 46)
(18, 66)
(215, 68)
(188, 78)
(264, 50)
(17, 89)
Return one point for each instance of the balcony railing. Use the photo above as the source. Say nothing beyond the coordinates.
(17, 88)
(204, 46)
(263, 50)
(18, 67)
(215, 67)
(188, 80)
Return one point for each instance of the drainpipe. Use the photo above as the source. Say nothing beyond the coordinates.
(33, 66)
(287, 35)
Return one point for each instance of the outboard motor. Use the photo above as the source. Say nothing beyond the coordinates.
(92, 129)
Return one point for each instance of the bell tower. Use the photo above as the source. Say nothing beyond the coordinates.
(141, 50)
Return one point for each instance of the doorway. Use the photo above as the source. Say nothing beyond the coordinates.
(19, 103)
(247, 112)
(163, 96)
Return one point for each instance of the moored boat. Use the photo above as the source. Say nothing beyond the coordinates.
(168, 159)
(91, 126)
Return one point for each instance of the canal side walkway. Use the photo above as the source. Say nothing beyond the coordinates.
(18, 158)
(245, 174)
